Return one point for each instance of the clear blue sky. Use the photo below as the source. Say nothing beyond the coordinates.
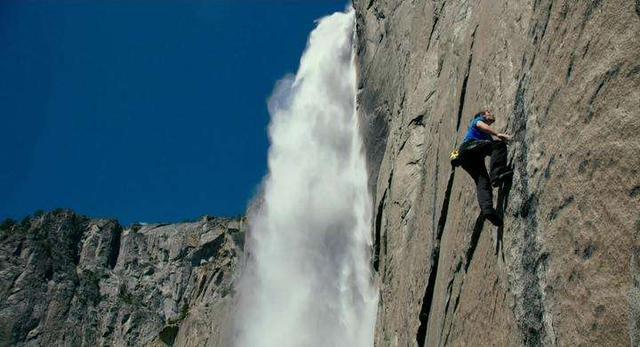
(141, 110)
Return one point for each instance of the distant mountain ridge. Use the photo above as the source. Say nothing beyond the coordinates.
(66, 279)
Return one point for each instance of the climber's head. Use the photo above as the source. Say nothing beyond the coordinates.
(487, 116)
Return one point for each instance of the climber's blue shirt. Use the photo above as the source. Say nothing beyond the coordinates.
(474, 134)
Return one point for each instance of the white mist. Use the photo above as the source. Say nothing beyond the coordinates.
(308, 280)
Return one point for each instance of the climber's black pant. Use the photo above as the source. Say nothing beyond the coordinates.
(473, 163)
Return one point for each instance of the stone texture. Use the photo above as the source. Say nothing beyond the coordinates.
(564, 78)
(69, 280)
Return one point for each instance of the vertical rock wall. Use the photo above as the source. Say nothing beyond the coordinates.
(564, 78)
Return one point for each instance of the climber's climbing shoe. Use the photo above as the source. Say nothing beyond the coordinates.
(494, 218)
(501, 178)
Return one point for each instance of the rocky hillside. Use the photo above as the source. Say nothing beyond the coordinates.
(69, 280)
(564, 78)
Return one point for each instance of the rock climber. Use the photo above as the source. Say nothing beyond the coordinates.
(478, 143)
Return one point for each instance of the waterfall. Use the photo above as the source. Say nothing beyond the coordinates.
(308, 280)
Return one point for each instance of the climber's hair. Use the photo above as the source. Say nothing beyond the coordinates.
(485, 113)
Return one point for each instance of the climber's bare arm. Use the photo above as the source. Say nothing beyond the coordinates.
(485, 128)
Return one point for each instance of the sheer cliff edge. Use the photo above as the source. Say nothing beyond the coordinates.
(564, 78)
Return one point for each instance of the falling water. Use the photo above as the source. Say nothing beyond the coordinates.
(308, 277)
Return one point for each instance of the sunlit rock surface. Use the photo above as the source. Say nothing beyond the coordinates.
(564, 78)
(69, 280)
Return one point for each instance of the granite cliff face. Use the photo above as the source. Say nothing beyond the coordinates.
(69, 280)
(564, 78)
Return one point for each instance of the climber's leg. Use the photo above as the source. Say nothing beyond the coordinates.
(485, 192)
(499, 169)
(478, 172)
